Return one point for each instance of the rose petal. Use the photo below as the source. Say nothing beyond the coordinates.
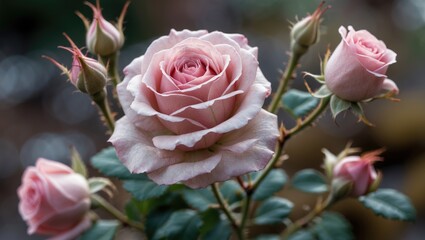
(45, 166)
(210, 113)
(389, 85)
(194, 164)
(249, 148)
(167, 42)
(135, 149)
(126, 98)
(75, 231)
(248, 109)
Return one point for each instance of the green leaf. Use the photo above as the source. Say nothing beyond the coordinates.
(272, 211)
(155, 220)
(390, 204)
(302, 235)
(271, 184)
(332, 226)
(298, 103)
(77, 163)
(338, 105)
(310, 180)
(200, 198)
(231, 191)
(142, 188)
(213, 227)
(183, 224)
(107, 162)
(322, 92)
(132, 210)
(101, 230)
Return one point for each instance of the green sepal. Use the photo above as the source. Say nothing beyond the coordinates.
(77, 164)
(338, 105)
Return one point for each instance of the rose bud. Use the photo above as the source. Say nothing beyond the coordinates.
(359, 171)
(87, 74)
(54, 200)
(103, 38)
(306, 32)
(356, 69)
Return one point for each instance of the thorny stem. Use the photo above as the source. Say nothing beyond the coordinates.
(111, 62)
(225, 207)
(323, 104)
(115, 212)
(284, 81)
(300, 223)
(102, 102)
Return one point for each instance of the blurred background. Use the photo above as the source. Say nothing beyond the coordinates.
(41, 114)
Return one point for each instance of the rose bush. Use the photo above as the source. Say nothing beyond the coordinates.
(193, 110)
(356, 69)
(54, 200)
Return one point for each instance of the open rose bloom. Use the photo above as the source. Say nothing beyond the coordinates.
(356, 69)
(193, 110)
(54, 200)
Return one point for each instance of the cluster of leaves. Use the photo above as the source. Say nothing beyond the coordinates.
(178, 212)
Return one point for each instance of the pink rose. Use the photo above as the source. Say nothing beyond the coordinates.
(356, 69)
(193, 110)
(359, 171)
(54, 200)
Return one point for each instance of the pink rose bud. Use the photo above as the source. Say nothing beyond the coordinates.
(54, 200)
(102, 37)
(356, 70)
(360, 172)
(306, 32)
(87, 74)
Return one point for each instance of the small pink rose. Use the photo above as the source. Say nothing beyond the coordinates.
(193, 110)
(359, 171)
(356, 69)
(54, 200)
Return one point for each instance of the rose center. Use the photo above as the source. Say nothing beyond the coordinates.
(369, 47)
(188, 68)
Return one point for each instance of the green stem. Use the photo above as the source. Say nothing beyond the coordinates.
(102, 102)
(300, 223)
(111, 62)
(115, 212)
(323, 104)
(284, 81)
(245, 211)
(225, 207)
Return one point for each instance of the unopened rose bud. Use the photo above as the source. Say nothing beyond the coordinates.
(103, 38)
(359, 171)
(87, 74)
(306, 32)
